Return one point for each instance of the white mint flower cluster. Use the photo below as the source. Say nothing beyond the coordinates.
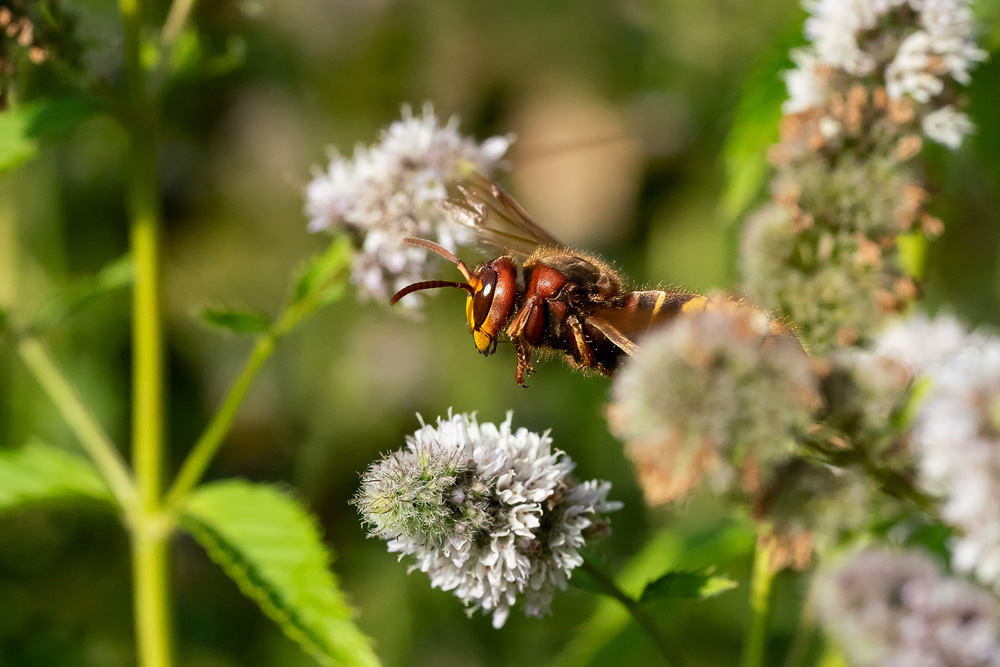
(878, 80)
(919, 49)
(958, 439)
(488, 512)
(392, 190)
(891, 609)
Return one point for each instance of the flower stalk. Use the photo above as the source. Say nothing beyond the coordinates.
(150, 535)
(755, 649)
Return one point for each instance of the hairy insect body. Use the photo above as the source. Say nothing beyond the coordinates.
(542, 295)
(576, 304)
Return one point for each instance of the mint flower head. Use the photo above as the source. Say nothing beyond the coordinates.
(488, 512)
(393, 190)
(957, 436)
(890, 609)
(710, 395)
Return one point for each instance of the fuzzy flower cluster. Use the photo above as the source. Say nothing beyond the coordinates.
(920, 49)
(487, 512)
(897, 610)
(958, 440)
(393, 190)
(715, 393)
(878, 79)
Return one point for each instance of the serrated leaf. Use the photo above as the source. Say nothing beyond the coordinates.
(271, 547)
(686, 584)
(755, 125)
(112, 277)
(236, 320)
(25, 130)
(323, 278)
(39, 473)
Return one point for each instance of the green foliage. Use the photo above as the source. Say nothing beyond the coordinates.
(26, 130)
(755, 125)
(689, 584)
(988, 16)
(39, 473)
(235, 320)
(271, 547)
(190, 57)
(323, 277)
(112, 277)
(4, 319)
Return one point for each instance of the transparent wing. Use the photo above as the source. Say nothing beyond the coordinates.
(497, 219)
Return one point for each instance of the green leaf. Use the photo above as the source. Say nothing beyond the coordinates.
(755, 124)
(236, 320)
(271, 547)
(38, 473)
(25, 130)
(686, 584)
(323, 278)
(112, 277)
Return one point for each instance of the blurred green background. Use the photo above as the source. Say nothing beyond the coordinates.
(622, 111)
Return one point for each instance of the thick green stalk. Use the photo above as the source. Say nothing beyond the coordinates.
(151, 588)
(88, 431)
(150, 532)
(638, 612)
(755, 648)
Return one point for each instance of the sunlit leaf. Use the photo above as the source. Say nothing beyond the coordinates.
(236, 320)
(39, 473)
(25, 130)
(271, 547)
(323, 278)
(755, 125)
(686, 584)
(114, 276)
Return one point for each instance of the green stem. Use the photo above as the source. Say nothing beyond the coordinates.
(91, 435)
(144, 233)
(755, 648)
(208, 444)
(638, 612)
(150, 586)
(176, 18)
(805, 633)
(150, 532)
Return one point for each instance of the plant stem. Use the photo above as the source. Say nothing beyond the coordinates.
(638, 612)
(150, 531)
(144, 233)
(176, 18)
(208, 444)
(85, 426)
(755, 648)
(211, 439)
(805, 633)
(150, 585)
